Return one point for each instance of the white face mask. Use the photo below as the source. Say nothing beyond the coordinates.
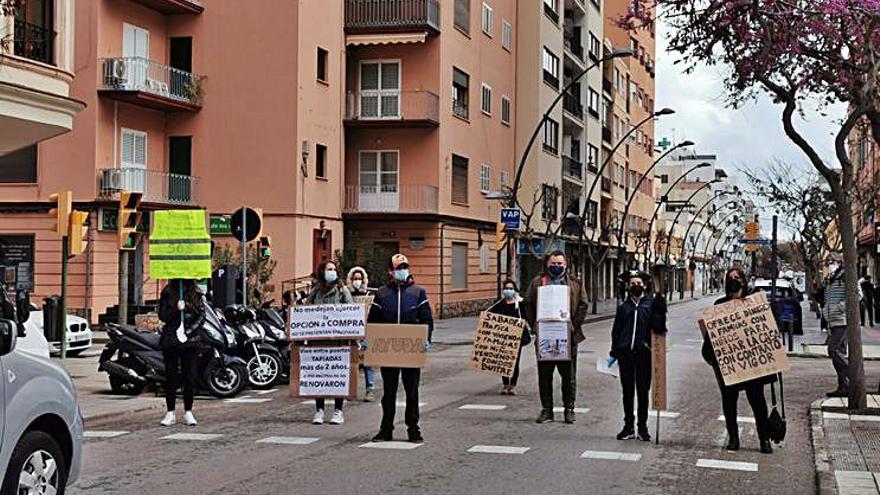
(833, 268)
(357, 284)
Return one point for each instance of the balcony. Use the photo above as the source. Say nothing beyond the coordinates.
(574, 47)
(606, 184)
(572, 104)
(391, 16)
(147, 83)
(173, 7)
(606, 134)
(607, 86)
(156, 187)
(391, 198)
(573, 168)
(34, 42)
(392, 109)
(552, 14)
(552, 80)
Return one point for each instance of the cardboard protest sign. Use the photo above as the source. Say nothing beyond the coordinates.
(396, 346)
(366, 300)
(658, 373)
(553, 341)
(327, 322)
(496, 344)
(553, 303)
(323, 372)
(745, 338)
(180, 246)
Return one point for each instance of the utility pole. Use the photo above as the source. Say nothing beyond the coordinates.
(244, 276)
(755, 255)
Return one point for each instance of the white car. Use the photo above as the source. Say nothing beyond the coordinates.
(79, 335)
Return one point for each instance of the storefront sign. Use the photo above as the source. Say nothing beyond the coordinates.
(17, 261)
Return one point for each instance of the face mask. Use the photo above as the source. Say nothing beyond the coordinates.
(401, 275)
(732, 286)
(636, 290)
(508, 293)
(330, 277)
(357, 284)
(556, 270)
(833, 268)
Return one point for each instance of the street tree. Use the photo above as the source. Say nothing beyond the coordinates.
(795, 51)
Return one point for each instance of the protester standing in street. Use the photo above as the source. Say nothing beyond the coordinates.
(512, 305)
(556, 273)
(735, 288)
(358, 284)
(180, 302)
(834, 312)
(328, 289)
(636, 318)
(867, 299)
(401, 301)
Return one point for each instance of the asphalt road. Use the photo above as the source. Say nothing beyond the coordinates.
(549, 458)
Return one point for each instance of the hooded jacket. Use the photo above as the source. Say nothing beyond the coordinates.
(366, 283)
(406, 303)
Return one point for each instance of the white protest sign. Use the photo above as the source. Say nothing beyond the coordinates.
(553, 303)
(323, 372)
(553, 341)
(327, 322)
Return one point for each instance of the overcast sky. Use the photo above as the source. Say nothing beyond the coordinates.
(751, 136)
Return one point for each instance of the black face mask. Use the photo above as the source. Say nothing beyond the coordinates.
(732, 286)
(636, 290)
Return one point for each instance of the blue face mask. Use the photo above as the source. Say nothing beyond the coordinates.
(401, 275)
(508, 293)
(556, 270)
(330, 277)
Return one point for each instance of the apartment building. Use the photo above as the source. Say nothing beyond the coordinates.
(188, 104)
(429, 131)
(865, 157)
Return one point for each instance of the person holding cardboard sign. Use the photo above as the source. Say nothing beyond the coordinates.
(358, 284)
(568, 312)
(735, 287)
(511, 304)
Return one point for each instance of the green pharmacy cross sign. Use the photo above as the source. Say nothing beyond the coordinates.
(664, 143)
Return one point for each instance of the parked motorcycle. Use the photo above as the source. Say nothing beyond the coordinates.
(138, 358)
(276, 336)
(263, 361)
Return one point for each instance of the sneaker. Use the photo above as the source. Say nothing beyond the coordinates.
(511, 391)
(415, 436)
(765, 447)
(505, 391)
(733, 444)
(189, 419)
(319, 417)
(546, 416)
(170, 419)
(369, 397)
(569, 416)
(644, 435)
(627, 433)
(382, 436)
(338, 418)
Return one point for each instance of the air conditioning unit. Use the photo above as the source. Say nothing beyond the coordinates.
(111, 180)
(115, 72)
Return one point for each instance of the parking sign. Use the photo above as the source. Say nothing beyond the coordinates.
(510, 217)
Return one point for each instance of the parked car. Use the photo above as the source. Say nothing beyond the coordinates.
(787, 302)
(79, 335)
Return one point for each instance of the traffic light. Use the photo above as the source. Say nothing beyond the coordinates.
(128, 221)
(79, 229)
(61, 211)
(500, 236)
(265, 246)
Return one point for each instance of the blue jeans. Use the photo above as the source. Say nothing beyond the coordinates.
(369, 378)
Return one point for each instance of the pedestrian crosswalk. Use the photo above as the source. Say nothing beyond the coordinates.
(611, 456)
(289, 440)
(728, 465)
(483, 407)
(391, 445)
(497, 449)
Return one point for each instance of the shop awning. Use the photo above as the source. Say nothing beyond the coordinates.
(385, 39)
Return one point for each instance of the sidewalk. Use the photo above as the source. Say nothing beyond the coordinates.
(846, 447)
(812, 343)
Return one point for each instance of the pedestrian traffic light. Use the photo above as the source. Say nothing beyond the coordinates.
(500, 236)
(79, 230)
(265, 246)
(63, 202)
(128, 221)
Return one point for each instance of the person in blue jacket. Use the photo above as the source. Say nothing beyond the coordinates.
(637, 317)
(401, 301)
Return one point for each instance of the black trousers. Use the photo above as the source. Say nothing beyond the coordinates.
(635, 379)
(511, 382)
(410, 378)
(180, 366)
(866, 305)
(568, 374)
(337, 403)
(755, 395)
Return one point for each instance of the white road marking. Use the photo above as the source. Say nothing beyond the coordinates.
(270, 391)
(861, 417)
(402, 403)
(289, 440)
(740, 419)
(577, 410)
(497, 449)
(611, 456)
(391, 445)
(664, 414)
(694, 341)
(104, 433)
(729, 465)
(482, 407)
(248, 400)
(833, 415)
(192, 436)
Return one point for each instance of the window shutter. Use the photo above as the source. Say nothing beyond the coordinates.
(463, 15)
(459, 179)
(459, 265)
(127, 149)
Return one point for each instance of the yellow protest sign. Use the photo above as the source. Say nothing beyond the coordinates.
(180, 246)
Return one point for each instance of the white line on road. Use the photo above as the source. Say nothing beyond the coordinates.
(270, 391)
(730, 465)
(861, 417)
(833, 415)
(577, 410)
(192, 436)
(611, 456)
(104, 434)
(289, 440)
(664, 414)
(391, 445)
(740, 419)
(248, 400)
(402, 403)
(497, 449)
(482, 407)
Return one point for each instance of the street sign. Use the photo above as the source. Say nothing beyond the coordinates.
(510, 217)
(760, 242)
(254, 224)
(753, 230)
(220, 225)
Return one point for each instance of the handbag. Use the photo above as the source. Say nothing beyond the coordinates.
(776, 426)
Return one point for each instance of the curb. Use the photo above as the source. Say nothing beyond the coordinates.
(825, 481)
(112, 415)
(812, 355)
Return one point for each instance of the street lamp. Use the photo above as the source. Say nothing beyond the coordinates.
(722, 231)
(691, 224)
(736, 208)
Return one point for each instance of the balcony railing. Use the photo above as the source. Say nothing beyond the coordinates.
(34, 42)
(552, 14)
(384, 108)
(606, 86)
(391, 198)
(606, 134)
(572, 168)
(606, 184)
(572, 104)
(161, 83)
(381, 16)
(574, 46)
(156, 187)
(551, 79)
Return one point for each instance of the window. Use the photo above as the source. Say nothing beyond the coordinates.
(320, 161)
(506, 35)
(463, 15)
(486, 99)
(664, 179)
(551, 10)
(595, 47)
(459, 179)
(459, 265)
(379, 90)
(19, 167)
(180, 166)
(378, 180)
(592, 157)
(487, 19)
(551, 68)
(592, 213)
(594, 103)
(484, 258)
(460, 84)
(634, 45)
(322, 64)
(505, 179)
(133, 160)
(551, 136)
(505, 110)
(485, 178)
(549, 202)
(608, 108)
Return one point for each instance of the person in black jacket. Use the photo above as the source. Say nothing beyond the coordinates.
(511, 305)
(735, 288)
(180, 297)
(638, 316)
(401, 301)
